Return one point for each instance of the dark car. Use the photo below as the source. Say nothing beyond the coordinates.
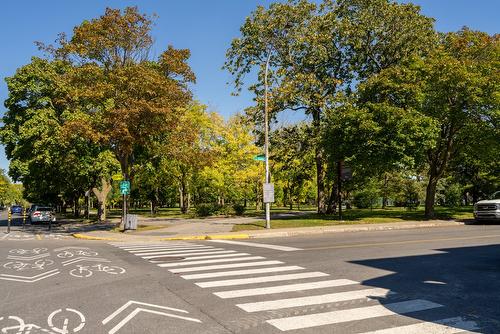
(16, 209)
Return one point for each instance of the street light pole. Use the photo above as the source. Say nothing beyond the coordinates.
(266, 142)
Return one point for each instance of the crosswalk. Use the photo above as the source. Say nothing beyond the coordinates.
(297, 298)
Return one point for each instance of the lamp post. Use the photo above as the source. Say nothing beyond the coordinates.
(266, 143)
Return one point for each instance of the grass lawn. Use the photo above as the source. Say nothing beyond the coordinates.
(358, 216)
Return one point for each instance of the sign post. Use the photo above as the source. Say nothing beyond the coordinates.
(344, 174)
(9, 218)
(124, 190)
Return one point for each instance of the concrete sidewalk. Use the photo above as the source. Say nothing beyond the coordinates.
(202, 231)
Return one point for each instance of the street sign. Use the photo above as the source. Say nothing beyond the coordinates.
(125, 187)
(117, 177)
(346, 173)
(268, 193)
(260, 157)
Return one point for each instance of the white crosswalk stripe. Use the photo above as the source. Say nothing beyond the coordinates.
(190, 263)
(443, 326)
(199, 263)
(225, 266)
(196, 257)
(261, 279)
(145, 250)
(283, 288)
(182, 254)
(313, 300)
(166, 249)
(360, 313)
(241, 272)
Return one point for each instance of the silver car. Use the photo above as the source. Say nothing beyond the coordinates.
(41, 214)
(488, 209)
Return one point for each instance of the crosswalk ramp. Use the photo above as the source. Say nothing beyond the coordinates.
(296, 299)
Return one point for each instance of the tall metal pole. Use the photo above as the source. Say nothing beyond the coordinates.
(266, 144)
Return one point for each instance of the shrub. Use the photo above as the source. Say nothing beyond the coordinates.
(207, 209)
(239, 209)
(367, 198)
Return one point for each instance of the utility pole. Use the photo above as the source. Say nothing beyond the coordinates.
(266, 144)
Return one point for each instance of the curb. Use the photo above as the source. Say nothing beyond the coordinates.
(87, 237)
(277, 234)
(209, 237)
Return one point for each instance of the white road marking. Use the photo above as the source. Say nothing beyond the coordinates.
(164, 246)
(207, 249)
(80, 259)
(361, 313)
(192, 257)
(166, 249)
(253, 244)
(241, 272)
(29, 279)
(313, 300)
(140, 309)
(189, 263)
(284, 288)
(133, 302)
(444, 326)
(182, 254)
(225, 266)
(261, 279)
(27, 258)
(64, 329)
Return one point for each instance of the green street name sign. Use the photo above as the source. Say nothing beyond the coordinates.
(125, 187)
(260, 157)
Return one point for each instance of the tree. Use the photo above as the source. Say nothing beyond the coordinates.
(316, 52)
(294, 160)
(454, 87)
(125, 98)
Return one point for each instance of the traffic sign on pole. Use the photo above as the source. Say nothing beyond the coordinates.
(125, 187)
(268, 192)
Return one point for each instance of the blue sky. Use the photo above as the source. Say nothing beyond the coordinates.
(205, 27)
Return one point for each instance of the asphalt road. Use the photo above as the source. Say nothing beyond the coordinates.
(437, 280)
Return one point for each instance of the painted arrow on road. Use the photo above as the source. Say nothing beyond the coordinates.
(30, 279)
(150, 309)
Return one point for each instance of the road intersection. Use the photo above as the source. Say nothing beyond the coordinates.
(441, 280)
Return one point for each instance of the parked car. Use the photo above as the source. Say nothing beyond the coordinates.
(41, 214)
(16, 209)
(488, 209)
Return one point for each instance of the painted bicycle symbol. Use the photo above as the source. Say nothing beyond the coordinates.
(62, 321)
(87, 271)
(20, 266)
(34, 251)
(69, 254)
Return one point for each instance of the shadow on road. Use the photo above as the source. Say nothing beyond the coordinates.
(465, 280)
(60, 227)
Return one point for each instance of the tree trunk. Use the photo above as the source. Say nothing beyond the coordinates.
(102, 195)
(184, 197)
(430, 196)
(320, 181)
(384, 192)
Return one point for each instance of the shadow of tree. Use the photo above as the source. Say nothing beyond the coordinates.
(465, 280)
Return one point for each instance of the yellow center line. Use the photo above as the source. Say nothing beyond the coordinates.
(404, 242)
